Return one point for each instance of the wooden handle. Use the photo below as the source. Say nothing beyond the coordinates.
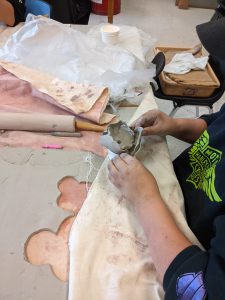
(82, 125)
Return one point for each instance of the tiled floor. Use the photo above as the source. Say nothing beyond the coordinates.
(171, 27)
(162, 19)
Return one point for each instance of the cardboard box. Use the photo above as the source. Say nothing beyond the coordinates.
(193, 84)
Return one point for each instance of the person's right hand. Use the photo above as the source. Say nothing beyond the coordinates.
(155, 122)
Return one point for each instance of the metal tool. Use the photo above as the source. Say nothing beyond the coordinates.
(66, 134)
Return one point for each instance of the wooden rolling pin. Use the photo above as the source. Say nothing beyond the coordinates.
(82, 125)
(45, 123)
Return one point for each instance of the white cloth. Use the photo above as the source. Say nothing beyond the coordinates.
(183, 63)
(109, 254)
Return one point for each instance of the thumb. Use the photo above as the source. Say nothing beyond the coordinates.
(137, 123)
(142, 121)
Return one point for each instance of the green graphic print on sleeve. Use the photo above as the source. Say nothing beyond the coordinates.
(203, 160)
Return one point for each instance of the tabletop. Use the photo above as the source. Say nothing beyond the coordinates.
(31, 182)
(29, 187)
(33, 187)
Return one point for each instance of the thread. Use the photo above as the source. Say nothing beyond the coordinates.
(88, 159)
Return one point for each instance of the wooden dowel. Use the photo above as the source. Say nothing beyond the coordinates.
(82, 125)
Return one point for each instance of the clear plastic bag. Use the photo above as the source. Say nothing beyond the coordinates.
(72, 55)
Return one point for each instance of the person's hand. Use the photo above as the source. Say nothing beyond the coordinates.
(155, 122)
(134, 181)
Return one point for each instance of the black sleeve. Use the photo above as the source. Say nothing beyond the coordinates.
(209, 118)
(197, 275)
(212, 117)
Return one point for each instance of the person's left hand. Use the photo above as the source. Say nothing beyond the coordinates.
(134, 181)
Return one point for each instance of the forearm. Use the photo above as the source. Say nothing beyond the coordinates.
(188, 130)
(139, 186)
(164, 238)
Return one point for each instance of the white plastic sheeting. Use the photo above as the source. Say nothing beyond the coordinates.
(69, 54)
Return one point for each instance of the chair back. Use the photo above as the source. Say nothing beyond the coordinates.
(218, 67)
(38, 7)
(159, 60)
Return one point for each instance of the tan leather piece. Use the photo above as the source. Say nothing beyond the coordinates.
(72, 194)
(45, 247)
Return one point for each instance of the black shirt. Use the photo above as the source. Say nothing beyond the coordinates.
(196, 274)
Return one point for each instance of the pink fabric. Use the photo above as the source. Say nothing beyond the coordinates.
(27, 83)
(88, 142)
(18, 96)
